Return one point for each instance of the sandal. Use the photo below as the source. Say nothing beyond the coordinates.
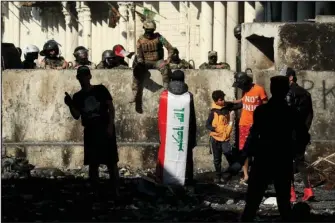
(244, 182)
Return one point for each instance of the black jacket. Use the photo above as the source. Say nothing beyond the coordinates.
(301, 100)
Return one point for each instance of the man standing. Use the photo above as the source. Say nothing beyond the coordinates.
(300, 100)
(253, 96)
(177, 132)
(150, 55)
(94, 104)
(273, 135)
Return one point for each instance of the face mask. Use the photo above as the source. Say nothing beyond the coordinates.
(175, 57)
(212, 60)
(82, 60)
(149, 32)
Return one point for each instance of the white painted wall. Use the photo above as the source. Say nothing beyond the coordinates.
(179, 23)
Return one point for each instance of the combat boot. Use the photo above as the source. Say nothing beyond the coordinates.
(293, 195)
(308, 194)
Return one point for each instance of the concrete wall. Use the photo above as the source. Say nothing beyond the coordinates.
(321, 85)
(268, 47)
(33, 110)
(271, 46)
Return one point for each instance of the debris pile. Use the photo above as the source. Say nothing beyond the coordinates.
(15, 168)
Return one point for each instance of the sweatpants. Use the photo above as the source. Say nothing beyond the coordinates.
(218, 148)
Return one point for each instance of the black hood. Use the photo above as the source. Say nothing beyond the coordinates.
(177, 87)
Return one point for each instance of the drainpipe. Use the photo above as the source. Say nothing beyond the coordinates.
(206, 33)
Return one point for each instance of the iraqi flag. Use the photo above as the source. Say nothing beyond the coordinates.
(173, 124)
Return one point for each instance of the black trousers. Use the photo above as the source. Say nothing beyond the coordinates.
(259, 179)
(218, 148)
(300, 166)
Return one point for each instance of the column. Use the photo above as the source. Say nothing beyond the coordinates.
(206, 30)
(80, 25)
(249, 12)
(276, 11)
(322, 8)
(260, 12)
(68, 39)
(231, 44)
(288, 11)
(131, 41)
(305, 10)
(14, 12)
(219, 30)
(183, 29)
(87, 30)
(123, 9)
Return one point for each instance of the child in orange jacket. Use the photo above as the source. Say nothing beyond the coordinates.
(220, 123)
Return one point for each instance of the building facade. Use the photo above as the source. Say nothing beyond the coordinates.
(193, 27)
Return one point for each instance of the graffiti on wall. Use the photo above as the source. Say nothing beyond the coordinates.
(328, 93)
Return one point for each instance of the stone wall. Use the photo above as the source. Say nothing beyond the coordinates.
(33, 110)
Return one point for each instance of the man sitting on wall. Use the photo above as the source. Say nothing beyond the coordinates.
(212, 62)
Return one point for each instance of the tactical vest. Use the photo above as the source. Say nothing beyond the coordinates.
(152, 48)
(51, 63)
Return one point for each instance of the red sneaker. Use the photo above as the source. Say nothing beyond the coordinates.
(308, 194)
(293, 195)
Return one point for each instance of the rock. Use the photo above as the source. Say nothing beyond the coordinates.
(229, 202)
(271, 201)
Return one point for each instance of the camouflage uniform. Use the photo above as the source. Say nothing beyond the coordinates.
(75, 65)
(177, 63)
(52, 63)
(150, 55)
(183, 64)
(124, 65)
(214, 64)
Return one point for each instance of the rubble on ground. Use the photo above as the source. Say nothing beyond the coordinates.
(51, 194)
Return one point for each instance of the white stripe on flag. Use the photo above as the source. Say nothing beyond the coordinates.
(178, 117)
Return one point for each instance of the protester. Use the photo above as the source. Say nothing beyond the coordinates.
(220, 123)
(275, 131)
(253, 96)
(94, 105)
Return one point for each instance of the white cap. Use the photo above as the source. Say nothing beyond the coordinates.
(30, 49)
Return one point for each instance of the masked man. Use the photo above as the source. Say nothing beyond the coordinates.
(212, 62)
(177, 63)
(52, 60)
(177, 130)
(81, 55)
(150, 55)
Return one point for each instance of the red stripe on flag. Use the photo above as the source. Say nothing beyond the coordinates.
(162, 119)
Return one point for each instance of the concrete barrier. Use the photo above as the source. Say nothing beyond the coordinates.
(33, 110)
(321, 85)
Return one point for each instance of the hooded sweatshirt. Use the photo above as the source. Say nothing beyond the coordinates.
(219, 124)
